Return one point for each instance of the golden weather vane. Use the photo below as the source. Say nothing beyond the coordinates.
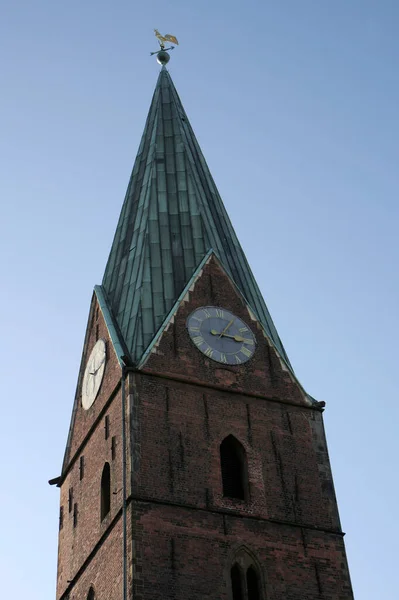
(162, 55)
(165, 38)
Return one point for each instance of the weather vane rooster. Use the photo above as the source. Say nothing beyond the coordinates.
(165, 38)
(162, 55)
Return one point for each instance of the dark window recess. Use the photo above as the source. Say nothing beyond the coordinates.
(113, 447)
(91, 595)
(106, 427)
(252, 584)
(70, 499)
(234, 468)
(236, 583)
(61, 517)
(81, 467)
(75, 514)
(105, 491)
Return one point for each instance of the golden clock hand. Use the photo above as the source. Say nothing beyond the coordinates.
(237, 338)
(227, 327)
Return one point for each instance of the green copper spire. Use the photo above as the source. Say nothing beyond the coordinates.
(171, 218)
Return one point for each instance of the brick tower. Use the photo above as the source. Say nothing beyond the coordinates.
(196, 465)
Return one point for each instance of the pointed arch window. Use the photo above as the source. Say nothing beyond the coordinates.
(233, 464)
(91, 595)
(105, 491)
(245, 581)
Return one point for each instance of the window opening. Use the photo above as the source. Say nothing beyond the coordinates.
(252, 584)
(113, 447)
(75, 514)
(91, 595)
(105, 491)
(106, 427)
(233, 466)
(70, 499)
(82, 467)
(236, 582)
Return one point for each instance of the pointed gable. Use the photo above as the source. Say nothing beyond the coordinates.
(171, 217)
(172, 353)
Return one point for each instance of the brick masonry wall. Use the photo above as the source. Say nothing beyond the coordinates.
(103, 570)
(182, 427)
(182, 532)
(185, 553)
(185, 533)
(88, 439)
(75, 543)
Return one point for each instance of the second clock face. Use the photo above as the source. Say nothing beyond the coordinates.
(220, 335)
(93, 374)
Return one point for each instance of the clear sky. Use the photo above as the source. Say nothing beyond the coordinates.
(295, 105)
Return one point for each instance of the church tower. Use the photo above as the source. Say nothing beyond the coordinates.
(196, 465)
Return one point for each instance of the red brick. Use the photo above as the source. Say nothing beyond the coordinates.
(182, 533)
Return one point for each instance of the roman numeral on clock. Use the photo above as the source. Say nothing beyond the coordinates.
(194, 329)
(245, 351)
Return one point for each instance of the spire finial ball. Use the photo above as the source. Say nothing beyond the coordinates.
(163, 57)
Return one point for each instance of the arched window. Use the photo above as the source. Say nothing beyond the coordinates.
(236, 584)
(252, 584)
(234, 469)
(91, 595)
(245, 581)
(105, 491)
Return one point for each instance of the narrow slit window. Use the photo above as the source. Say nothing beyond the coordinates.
(75, 514)
(105, 491)
(70, 500)
(113, 447)
(234, 469)
(106, 427)
(81, 467)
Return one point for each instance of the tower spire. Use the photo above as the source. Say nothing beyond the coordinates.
(171, 218)
(189, 432)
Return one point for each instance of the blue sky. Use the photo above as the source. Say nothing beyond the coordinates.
(295, 106)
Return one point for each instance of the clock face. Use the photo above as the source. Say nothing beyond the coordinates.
(93, 374)
(220, 335)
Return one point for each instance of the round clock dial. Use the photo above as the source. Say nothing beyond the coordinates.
(93, 374)
(220, 335)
